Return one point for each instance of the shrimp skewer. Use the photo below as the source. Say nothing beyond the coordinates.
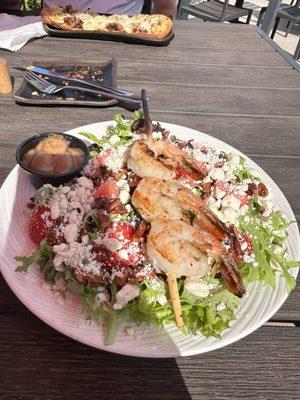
(175, 246)
(160, 199)
(162, 159)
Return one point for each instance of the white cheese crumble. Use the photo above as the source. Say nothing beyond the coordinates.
(126, 294)
(197, 286)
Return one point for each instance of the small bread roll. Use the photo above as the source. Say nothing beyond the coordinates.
(5, 81)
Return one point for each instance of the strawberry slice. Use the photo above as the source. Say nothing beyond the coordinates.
(121, 231)
(37, 227)
(104, 156)
(107, 189)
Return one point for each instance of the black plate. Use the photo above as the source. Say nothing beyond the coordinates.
(104, 73)
(112, 36)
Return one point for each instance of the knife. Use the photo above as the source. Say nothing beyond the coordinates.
(58, 75)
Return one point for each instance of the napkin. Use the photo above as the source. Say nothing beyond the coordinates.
(16, 31)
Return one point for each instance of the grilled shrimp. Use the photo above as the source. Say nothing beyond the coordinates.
(160, 199)
(164, 160)
(177, 247)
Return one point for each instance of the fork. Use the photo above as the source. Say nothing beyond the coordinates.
(44, 86)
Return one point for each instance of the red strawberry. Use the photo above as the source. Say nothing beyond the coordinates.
(37, 227)
(107, 189)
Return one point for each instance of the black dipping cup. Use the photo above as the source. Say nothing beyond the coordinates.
(39, 179)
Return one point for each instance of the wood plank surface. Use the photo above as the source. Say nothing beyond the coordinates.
(90, 50)
(51, 366)
(222, 79)
(251, 135)
(201, 75)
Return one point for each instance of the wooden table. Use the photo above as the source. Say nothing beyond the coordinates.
(224, 80)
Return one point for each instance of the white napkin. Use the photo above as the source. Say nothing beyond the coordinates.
(16, 31)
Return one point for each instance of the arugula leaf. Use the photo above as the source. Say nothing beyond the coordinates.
(45, 194)
(93, 138)
(242, 174)
(263, 240)
(41, 255)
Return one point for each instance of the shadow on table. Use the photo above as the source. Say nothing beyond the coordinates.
(42, 363)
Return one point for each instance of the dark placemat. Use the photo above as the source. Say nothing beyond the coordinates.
(103, 73)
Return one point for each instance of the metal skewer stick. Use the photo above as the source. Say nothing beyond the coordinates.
(148, 122)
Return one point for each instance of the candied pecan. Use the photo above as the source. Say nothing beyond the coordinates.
(105, 256)
(103, 218)
(181, 143)
(117, 207)
(262, 209)
(219, 164)
(141, 231)
(262, 190)
(133, 180)
(133, 275)
(111, 204)
(93, 280)
(252, 189)
(206, 188)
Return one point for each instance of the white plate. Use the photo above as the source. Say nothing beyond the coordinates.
(257, 306)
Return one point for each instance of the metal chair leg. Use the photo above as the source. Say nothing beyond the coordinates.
(261, 15)
(297, 51)
(288, 28)
(277, 20)
(249, 17)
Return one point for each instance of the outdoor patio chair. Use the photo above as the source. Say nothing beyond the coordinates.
(213, 10)
(290, 14)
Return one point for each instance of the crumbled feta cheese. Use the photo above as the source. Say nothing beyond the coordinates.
(248, 258)
(217, 174)
(229, 215)
(220, 306)
(218, 193)
(244, 246)
(123, 254)
(54, 209)
(111, 244)
(126, 294)
(85, 182)
(70, 232)
(196, 286)
(162, 299)
(65, 189)
(231, 201)
(124, 196)
(114, 139)
(57, 261)
(63, 204)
